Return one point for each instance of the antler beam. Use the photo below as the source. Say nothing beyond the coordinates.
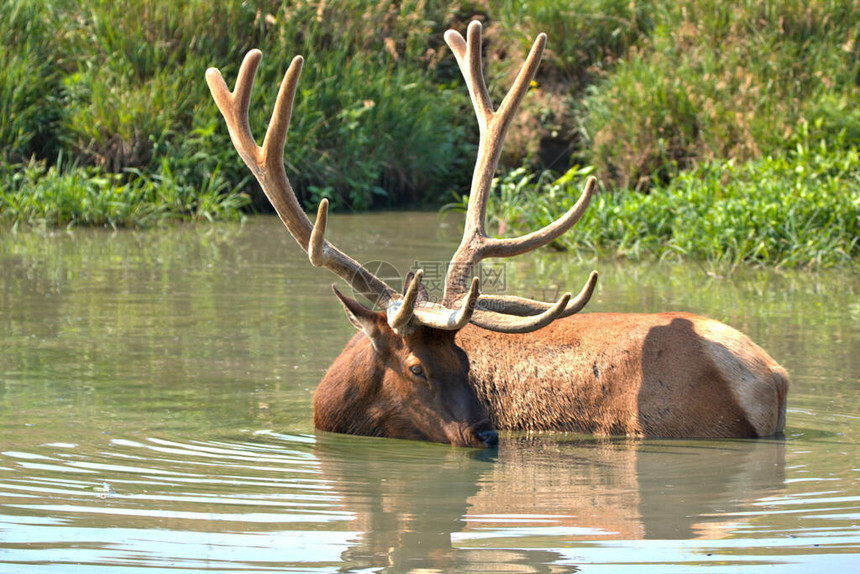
(462, 302)
(476, 245)
(266, 162)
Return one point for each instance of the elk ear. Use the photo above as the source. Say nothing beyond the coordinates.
(363, 318)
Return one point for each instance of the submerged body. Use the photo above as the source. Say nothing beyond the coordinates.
(527, 364)
(654, 375)
(672, 375)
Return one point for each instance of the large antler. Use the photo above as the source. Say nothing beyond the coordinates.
(267, 165)
(462, 303)
(503, 313)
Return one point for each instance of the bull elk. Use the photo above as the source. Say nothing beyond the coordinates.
(457, 370)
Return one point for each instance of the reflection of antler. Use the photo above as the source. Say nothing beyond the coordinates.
(503, 313)
(462, 302)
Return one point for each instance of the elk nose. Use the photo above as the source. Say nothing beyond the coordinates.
(489, 438)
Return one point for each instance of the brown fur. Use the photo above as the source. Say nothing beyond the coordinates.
(658, 375)
(370, 390)
(666, 375)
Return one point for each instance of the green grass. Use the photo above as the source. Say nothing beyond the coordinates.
(800, 209)
(586, 38)
(105, 118)
(29, 83)
(59, 195)
(368, 114)
(725, 80)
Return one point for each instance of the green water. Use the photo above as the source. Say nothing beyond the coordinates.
(155, 412)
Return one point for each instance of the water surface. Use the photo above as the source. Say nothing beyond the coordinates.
(155, 412)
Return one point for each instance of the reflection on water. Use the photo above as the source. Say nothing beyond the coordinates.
(155, 393)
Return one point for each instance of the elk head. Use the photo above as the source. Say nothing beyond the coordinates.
(402, 375)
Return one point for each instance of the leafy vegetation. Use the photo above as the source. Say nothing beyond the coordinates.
(57, 195)
(726, 80)
(720, 130)
(131, 107)
(797, 209)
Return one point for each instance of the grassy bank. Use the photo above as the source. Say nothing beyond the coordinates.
(721, 131)
(727, 80)
(116, 88)
(105, 118)
(799, 209)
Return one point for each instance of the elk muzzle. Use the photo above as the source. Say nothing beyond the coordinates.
(475, 435)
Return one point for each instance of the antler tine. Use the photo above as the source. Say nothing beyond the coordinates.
(511, 102)
(317, 243)
(521, 307)
(518, 245)
(493, 125)
(468, 55)
(504, 323)
(267, 165)
(234, 106)
(401, 311)
(276, 133)
(448, 320)
(506, 314)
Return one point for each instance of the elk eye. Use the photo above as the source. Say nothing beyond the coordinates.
(417, 370)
